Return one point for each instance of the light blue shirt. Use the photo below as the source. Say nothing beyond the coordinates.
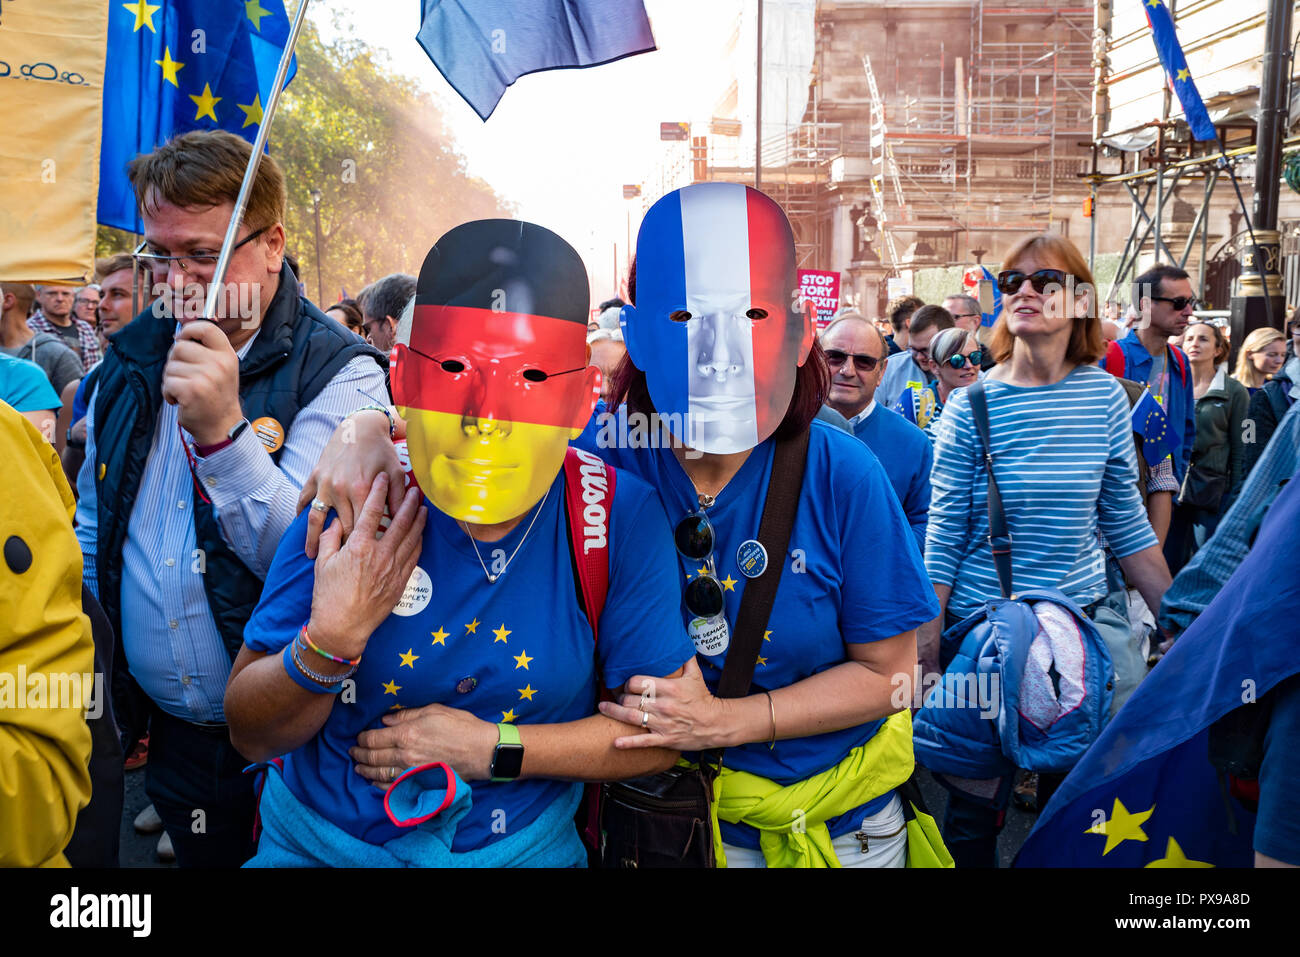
(900, 370)
(168, 633)
(1066, 467)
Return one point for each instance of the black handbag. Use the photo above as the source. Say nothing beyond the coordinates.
(1202, 489)
(664, 820)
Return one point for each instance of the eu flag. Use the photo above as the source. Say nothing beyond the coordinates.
(1145, 794)
(180, 65)
(1150, 422)
(1175, 64)
(483, 46)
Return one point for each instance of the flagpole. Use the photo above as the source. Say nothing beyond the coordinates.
(254, 161)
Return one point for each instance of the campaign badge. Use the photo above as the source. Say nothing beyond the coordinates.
(711, 635)
(415, 598)
(751, 556)
(269, 432)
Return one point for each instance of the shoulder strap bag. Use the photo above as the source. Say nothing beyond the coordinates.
(664, 820)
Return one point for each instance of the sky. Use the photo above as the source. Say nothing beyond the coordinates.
(562, 144)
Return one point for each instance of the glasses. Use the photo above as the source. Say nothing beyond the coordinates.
(1179, 302)
(694, 539)
(196, 263)
(836, 358)
(959, 362)
(1010, 280)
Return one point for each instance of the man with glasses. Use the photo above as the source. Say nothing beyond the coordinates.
(913, 369)
(965, 311)
(55, 316)
(199, 436)
(857, 354)
(1163, 300)
(381, 303)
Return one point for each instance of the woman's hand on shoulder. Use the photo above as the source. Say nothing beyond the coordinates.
(677, 713)
(358, 583)
(359, 449)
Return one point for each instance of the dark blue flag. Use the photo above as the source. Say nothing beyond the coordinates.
(1145, 794)
(1150, 422)
(483, 46)
(1175, 64)
(180, 65)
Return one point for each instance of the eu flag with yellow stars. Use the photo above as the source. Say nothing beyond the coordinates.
(1150, 422)
(180, 65)
(1145, 794)
(1175, 64)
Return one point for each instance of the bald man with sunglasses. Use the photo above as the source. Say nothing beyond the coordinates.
(857, 354)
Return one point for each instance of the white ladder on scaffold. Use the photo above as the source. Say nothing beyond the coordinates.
(889, 165)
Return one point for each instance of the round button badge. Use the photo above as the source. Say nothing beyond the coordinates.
(751, 557)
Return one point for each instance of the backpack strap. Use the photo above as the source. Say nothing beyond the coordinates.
(588, 500)
(1181, 358)
(999, 534)
(1115, 359)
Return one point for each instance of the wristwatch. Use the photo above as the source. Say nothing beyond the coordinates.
(508, 756)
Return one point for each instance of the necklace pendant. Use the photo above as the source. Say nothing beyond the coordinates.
(706, 500)
(492, 579)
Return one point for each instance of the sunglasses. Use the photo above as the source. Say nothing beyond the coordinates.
(836, 358)
(959, 362)
(694, 539)
(1179, 302)
(1010, 280)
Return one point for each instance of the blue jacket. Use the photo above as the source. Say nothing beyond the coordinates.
(977, 723)
(907, 457)
(1182, 400)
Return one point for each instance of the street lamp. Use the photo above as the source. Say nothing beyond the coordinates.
(320, 288)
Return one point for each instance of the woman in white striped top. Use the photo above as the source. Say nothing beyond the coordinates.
(1066, 467)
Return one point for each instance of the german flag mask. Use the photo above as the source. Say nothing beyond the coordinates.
(490, 368)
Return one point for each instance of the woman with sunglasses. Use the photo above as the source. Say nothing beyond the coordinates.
(956, 354)
(722, 354)
(1066, 464)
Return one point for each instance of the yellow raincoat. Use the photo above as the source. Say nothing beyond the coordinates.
(45, 649)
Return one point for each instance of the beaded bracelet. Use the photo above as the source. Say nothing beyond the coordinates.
(297, 672)
(376, 407)
(306, 639)
(329, 680)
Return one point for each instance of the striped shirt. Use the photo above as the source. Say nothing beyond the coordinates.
(1066, 468)
(168, 633)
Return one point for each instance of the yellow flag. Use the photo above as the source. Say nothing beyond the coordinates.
(51, 97)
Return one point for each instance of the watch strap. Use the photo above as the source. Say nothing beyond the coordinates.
(205, 450)
(507, 738)
(507, 734)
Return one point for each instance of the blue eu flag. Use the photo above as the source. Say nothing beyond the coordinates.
(1150, 422)
(1145, 794)
(483, 46)
(180, 65)
(1175, 64)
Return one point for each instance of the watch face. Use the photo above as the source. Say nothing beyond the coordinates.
(507, 761)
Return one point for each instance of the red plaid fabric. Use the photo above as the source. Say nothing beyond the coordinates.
(88, 350)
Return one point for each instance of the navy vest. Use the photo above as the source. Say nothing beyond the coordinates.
(296, 354)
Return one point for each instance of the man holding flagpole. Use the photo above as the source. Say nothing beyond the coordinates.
(199, 436)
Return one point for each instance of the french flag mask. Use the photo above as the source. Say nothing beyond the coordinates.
(719, 327)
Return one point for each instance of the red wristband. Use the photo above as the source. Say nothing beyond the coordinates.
(206, 450)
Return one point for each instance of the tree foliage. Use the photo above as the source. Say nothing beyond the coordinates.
(390, 178)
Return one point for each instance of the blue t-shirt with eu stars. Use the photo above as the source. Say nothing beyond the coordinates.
(523, 642)
(856, 576)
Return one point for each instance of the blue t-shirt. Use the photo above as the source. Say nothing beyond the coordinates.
(907, 457)
(24, 386)
(523, 640)
(857, 577)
